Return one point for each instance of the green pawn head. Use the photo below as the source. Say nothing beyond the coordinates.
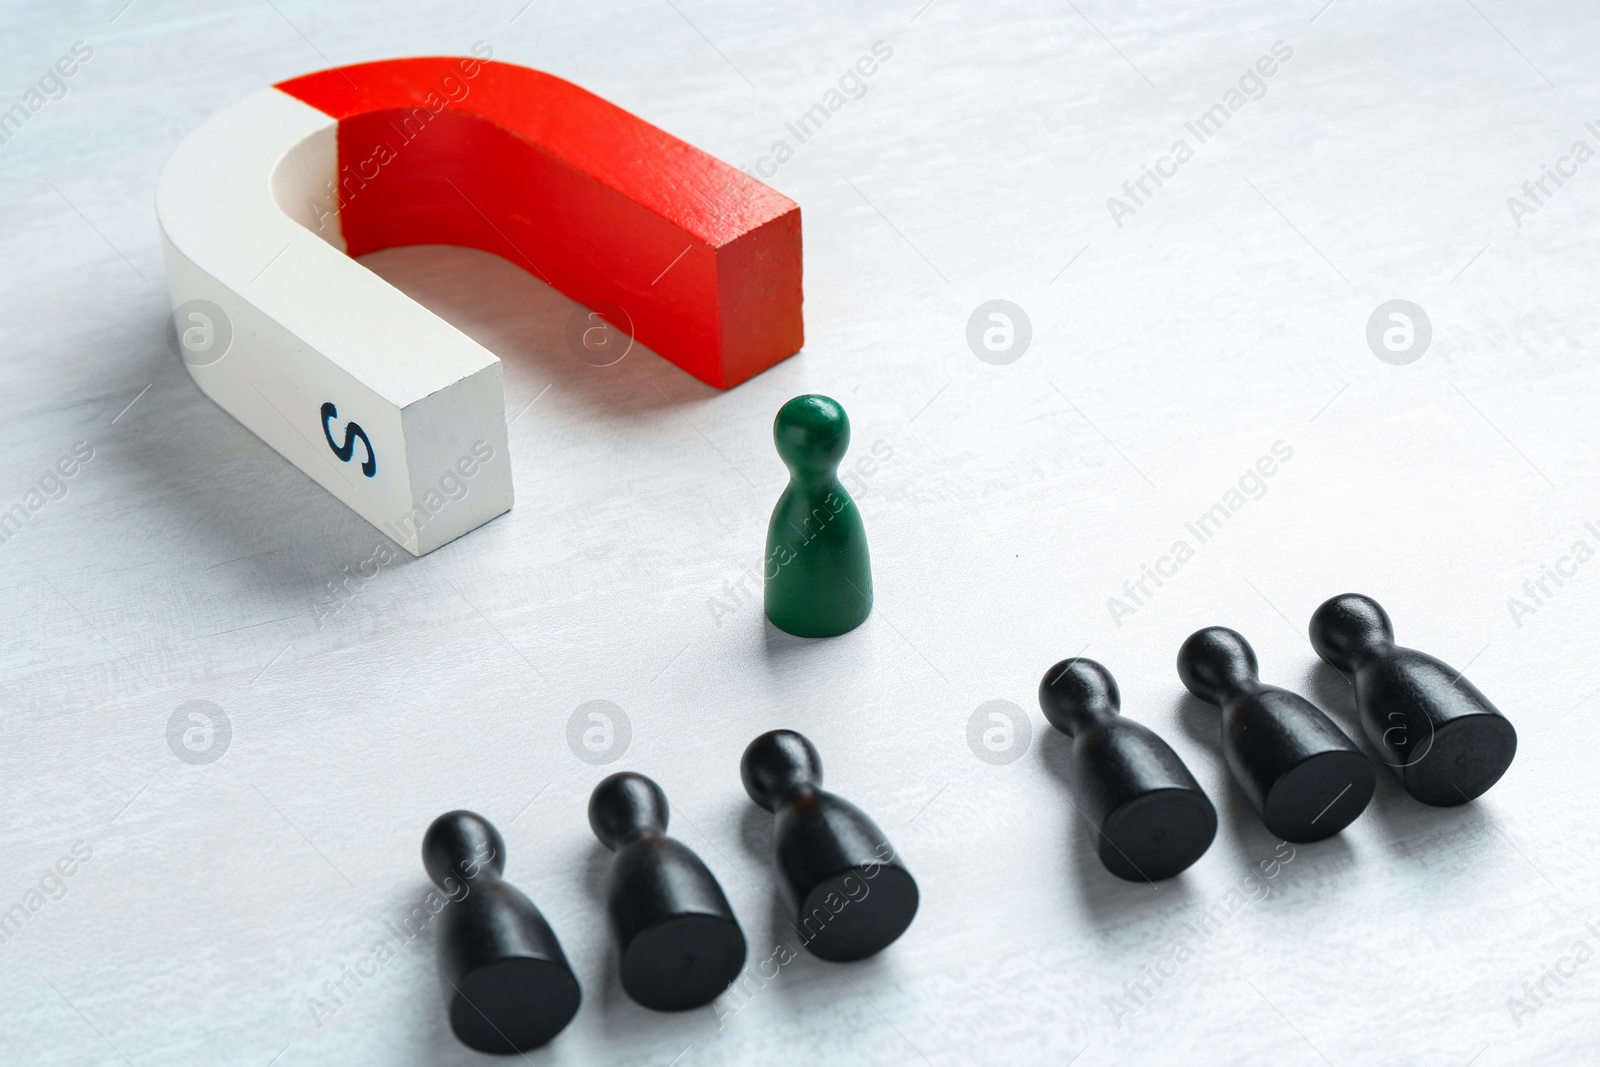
(812, 433)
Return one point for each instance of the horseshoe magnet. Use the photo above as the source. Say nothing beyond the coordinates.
(383, 403)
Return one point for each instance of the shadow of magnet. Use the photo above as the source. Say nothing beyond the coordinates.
(369, 393)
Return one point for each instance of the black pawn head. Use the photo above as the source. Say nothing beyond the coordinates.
(461, 844)
(626, 807)
(1350, 628)
(1078, 693)
(812, 433)
(1217, 663)
(778, 766)
(509, 986)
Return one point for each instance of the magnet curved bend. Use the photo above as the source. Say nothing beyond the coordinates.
(263, 205)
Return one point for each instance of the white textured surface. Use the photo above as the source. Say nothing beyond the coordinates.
(187, 560)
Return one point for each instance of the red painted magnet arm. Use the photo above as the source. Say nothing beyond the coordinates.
(703, 259)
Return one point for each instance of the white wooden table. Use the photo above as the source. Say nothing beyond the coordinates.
(1172, 345)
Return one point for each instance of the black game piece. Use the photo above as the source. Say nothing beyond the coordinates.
(1151, 817)
(1444, 739)
(507, 981)
(848, 894)
(1304, 776)
(680, 943)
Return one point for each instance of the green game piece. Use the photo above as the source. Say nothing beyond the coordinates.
(818, 576)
